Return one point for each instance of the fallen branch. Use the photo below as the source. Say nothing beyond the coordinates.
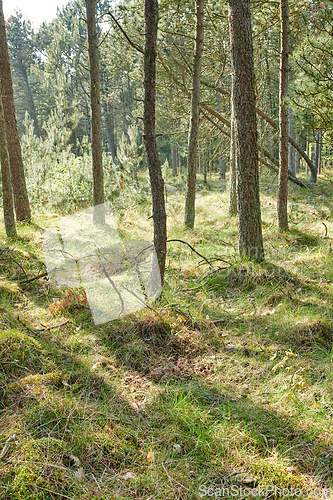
(193, 250)
(25, 282)
(46, 328)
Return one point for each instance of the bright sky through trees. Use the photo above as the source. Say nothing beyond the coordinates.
(37, 11)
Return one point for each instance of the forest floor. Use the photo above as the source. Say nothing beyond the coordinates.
(224, 389)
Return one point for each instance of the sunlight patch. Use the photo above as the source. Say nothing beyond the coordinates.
(119, 276)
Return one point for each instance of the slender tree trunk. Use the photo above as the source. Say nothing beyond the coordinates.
(221, 166)
(21, 200)
(270, 108)
(113, 133)
(291, 150)
(32, 108)
(297, 158)
(107, 130)
(282, 204)
(174, 160)
(7, 193)
(313, 178)
(233, 167)
(154, 166)
(320, 152)
(250, 243)
(179, 162)
(204, 165)
(194, 120)
(96, 115)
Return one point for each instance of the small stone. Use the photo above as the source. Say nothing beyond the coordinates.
(128, 476)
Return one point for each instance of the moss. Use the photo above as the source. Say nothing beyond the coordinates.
(33, 387)
(37, 465)
(19, 353)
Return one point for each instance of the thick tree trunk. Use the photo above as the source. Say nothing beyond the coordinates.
(232, 167)
(282, 203)
(21, 201)
(154, 166)
(7, 193)
(250, 243)
(96, 115)
(194, 120)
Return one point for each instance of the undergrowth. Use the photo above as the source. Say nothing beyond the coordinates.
(226, 383)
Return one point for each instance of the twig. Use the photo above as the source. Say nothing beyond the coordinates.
(46, 328)
(25, 282)
(49, 491)
(193, 250)
(139, 298)
(116, 290)
(5, 449)
(17, 263)
(133, 44)
(16, 319)
(326, 230)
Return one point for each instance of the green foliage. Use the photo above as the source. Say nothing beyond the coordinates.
(54, 175)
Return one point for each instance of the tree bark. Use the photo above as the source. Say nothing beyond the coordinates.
(232, 168)
(194, 120)
(154, 166)
(7, 193)
(21, 200)
(291, 151)
(174, 160)
(96, 115)
(282, 203)
(109, 132)
(32, 108)
(250, 243)
(222, 168)
(313, 178)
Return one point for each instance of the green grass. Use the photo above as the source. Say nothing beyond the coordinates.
(228, 383)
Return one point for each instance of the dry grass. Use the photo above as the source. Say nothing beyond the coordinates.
(228, 384)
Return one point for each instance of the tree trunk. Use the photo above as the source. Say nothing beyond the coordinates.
(232, 167)
(154, 166)
(204, 165)
(7, 193)
(221, 167)
(194, 120)
(313, 178)
(250, 243)
(107, 129)
(179, 162)
(283, 119)
(174, 160)
(21, 200)
(96, 115)
(291, 150)
(32, 108)
(270, 107)
(297, 158)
